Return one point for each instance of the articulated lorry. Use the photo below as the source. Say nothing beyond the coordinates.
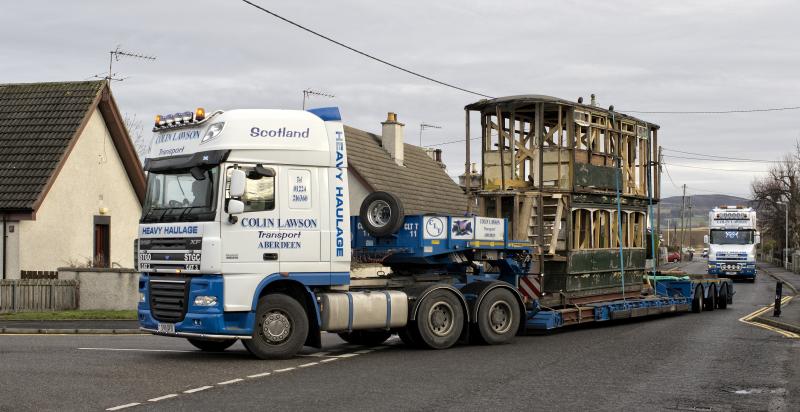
(732, 239)
(247, 233)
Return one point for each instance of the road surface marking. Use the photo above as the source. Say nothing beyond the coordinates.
(305, 365)
(748, 319)
(202, 388)
(161, 398)
(283, 370)
(258, 375)
(347, 355)
(318, 354)
(139, 350)
(364, 351)
(127, 405)
(329, 359)
(231, 381)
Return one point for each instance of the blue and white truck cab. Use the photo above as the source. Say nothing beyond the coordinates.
(246, 234)
(732, 240)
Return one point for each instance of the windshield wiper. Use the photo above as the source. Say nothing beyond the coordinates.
(151, 210)
(180, 217)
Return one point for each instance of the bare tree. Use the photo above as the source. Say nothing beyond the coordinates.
(774, 192)
(136, 133)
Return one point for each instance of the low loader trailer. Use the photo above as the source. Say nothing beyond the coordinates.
(246, 234)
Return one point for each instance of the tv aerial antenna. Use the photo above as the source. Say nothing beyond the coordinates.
(309, 92)
(113, 56)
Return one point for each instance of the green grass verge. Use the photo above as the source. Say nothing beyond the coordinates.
(72, 315)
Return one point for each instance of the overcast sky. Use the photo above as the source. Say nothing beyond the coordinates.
(636, 55)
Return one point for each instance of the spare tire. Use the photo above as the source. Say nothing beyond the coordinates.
(381, 214)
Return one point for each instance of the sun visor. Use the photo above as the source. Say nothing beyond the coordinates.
(182, 162)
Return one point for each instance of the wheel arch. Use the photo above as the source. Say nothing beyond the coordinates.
(301, 293)
(479, 290)
(416, 294)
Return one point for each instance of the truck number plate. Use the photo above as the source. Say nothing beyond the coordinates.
(166, 328)
(730, 273)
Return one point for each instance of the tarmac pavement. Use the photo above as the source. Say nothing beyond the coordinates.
(790, 313)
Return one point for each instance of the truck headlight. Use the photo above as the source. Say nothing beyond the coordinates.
(205, 301)
(141, 297)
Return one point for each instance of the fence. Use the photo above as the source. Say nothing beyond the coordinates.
(38, 295)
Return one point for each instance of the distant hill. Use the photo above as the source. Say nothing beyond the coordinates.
(701, 205)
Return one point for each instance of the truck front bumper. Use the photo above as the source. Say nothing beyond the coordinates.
(203, 322)
(741, 269)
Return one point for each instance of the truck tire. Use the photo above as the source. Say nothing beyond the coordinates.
(722, 301)
(440, 320)
(498, 317)
(280, 329)
(697, 301)
(407, 335)
(366, 337)
(710, 303)
(208, 345)
(381, 214)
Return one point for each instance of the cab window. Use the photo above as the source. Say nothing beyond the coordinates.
(259, 192)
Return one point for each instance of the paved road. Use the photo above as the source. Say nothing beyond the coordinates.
(703, 362)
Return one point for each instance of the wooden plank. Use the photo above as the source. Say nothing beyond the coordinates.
(556, 226)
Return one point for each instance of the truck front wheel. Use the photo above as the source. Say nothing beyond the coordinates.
(281, 328)
(440, 320)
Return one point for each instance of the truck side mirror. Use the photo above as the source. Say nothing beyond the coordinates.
(705, 239)
(235, 206)
(238, 179)
(758, 239)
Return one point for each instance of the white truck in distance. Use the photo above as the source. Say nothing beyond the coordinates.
(732, 239)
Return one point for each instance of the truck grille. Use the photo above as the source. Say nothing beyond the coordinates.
(168, 298)
(170, 255)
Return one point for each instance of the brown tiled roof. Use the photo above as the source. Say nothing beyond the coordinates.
(422, 184)
(38, 125)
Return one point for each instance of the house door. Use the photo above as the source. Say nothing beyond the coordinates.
(102, 242)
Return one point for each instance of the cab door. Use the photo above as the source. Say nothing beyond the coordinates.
(251, 240)
(301, 226)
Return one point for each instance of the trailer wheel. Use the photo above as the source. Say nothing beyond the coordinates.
(366, 337)
(722, 301)
(208, 345)
(710, 303)
(697, 301)
(281, 328)
(440, 320)
(381, 214)
(498, 317)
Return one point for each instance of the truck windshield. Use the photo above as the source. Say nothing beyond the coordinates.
(178, 196)
(731, 237)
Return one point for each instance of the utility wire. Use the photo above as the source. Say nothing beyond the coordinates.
(367, 55)
(450, 142)
(721, 160)
(771, 109)
(721, 170)
(716, 156)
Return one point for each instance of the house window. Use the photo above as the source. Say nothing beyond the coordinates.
(102, 242)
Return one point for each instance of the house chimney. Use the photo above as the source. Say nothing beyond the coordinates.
(392, 138)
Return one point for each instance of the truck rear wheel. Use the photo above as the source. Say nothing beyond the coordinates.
(366, 337)
(281, 328)
(498, 317)
(208, 345)
(440, 320)
(722, 301)
(697, 301)
(710, 303)
(381, 214)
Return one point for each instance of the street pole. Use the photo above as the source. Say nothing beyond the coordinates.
(689, 206)
(683, 225)
(786, 238)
